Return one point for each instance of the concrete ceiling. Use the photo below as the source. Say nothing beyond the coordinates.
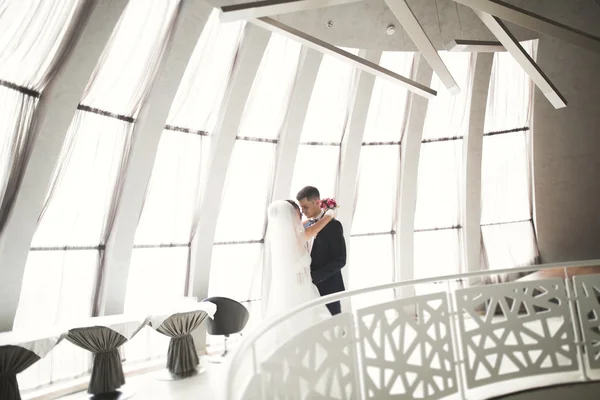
(363, 24)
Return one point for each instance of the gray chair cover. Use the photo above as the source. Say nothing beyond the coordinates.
(182, 357)
(13, 361)
(104, 343)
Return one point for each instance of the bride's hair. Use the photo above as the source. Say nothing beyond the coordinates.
(296, 206)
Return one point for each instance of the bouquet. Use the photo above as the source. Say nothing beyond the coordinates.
(329, 204)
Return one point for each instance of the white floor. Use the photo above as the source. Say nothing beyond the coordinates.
(207, 385)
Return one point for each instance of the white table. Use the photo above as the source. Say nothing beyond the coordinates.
(178, 323)
(103, 336)
(19, 351)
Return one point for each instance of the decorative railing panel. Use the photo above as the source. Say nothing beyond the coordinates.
(587, 289)
(463, 343)
(406, 349)
(316, 363)
(515, 330)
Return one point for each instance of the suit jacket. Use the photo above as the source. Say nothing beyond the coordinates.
(328, 258)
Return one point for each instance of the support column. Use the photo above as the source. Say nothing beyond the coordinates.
(351, 146)
(409, 168)
(246, 65)
(189, 24)
(54, 114)
(289, 140)
(472, 150)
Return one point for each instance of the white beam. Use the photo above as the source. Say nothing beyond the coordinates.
(358, 62)
(53, 115)
(529, 20)
(289, 139)
(352, 143)
(248, 59)
(411, 25)
(351, 147)
(515, 49)
(474, 46)
(409, 168)
(265, 8)
(190, 21)
(473, 145)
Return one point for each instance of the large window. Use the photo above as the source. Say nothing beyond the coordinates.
(237, 258)
(34, 35)
(437, 240)
(372, 247)
(507, 231)
(318, 158)
(160, 260)
(65, 260)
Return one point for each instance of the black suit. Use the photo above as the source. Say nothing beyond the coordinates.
(328, 258)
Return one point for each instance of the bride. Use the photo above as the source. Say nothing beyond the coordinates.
(286, 279)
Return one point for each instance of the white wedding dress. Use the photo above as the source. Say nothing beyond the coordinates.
(286, 285)
(286, 277)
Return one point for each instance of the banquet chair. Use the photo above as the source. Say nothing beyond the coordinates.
(231, 318)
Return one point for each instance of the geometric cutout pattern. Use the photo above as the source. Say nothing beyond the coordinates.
(406, 349)
(587, 289)
(525, 329)
(317, 363)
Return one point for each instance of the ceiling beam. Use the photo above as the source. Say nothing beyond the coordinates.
(265, 8)
(513, 46)
(331, 50)
(529, 20)
(411, 25)
(474, 46)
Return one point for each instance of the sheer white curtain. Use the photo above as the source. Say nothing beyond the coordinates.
(508, 237)
(318, 157)
(161, 256)
(372, 251)
(33, 37)
(80, 204)
(237, 259)
(437, 240)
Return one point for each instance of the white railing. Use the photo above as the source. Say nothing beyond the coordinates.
(456, 343)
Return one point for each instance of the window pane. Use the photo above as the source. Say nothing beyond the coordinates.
(448, 114)
(247, 192)
(317, 166)
(436, 253)
(156, 277)
(438, 186)
(129, 62)
(386, 116)
(236, 270)
(202, 87)
(371, 263)
(58, 288)
(16, 117)
(267, 104)
(377, 190)
(329, 104)
(174, 189)
(510, 245)
(32, 36)
(510, 93)
(505, 182)
(85, 182)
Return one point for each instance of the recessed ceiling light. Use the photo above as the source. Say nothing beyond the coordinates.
(390, 30)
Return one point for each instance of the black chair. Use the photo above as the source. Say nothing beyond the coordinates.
(231, 318)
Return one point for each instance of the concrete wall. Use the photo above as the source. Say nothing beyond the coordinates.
(566, 143)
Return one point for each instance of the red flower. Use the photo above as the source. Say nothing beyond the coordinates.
(328, 203)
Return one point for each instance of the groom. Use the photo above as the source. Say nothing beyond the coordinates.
(327, 249)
